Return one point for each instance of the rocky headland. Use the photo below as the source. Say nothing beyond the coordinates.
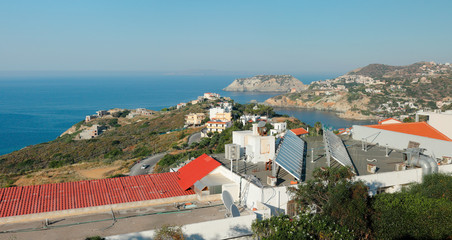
(266, 83)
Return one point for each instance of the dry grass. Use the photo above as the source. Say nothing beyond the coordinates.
(75, 172)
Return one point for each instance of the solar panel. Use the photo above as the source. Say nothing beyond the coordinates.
(336, 148)
(290, 154)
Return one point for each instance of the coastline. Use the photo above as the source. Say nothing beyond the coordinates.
(347, 115)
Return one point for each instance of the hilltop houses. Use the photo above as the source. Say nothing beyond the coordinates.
(217, 126)
(91, 132)
(139, 112)
(211, 96)
(194, 119)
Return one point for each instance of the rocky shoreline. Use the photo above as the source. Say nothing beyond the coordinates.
(340, 108)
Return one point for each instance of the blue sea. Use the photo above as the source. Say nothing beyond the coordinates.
(38, 108)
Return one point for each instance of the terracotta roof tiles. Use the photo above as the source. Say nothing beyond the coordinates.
(422, 129)
(62, 196)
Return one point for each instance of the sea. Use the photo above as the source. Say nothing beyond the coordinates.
(36, 108)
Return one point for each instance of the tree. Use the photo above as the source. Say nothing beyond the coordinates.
(333, 195)
(307, 226)
(318, 127)
(169, 232)
(411, 216)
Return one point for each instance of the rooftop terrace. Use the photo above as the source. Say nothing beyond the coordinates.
(375, 155)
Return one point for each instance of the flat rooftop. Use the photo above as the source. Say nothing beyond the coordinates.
(127, 221)
(375, 155)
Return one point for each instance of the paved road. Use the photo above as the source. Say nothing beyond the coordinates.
(195, 137)
(151, 161)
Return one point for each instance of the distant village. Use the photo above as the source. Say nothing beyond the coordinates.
(398, 106)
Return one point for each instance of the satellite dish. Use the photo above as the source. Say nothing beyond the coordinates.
(235, 211)
(227, 200)
(261, 124)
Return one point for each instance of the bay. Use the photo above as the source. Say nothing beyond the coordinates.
(36, 109)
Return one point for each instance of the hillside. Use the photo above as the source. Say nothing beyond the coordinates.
(378, 90)
(123, 140)
(266, 83)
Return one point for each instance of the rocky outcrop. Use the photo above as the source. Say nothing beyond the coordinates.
(337, 103)
(266, 83)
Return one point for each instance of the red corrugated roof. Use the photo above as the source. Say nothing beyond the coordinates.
(196, 170)
(61, 196)
(417, 128)
(299, 131)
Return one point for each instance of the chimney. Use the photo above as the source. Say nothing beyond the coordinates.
(255, 129)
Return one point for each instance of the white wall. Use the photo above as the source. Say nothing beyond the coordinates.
(442, 122)
(238, 137)
(216, 229)
(272, 197)
(213, 112)
(275, 198)
(395, 180)
(396, 140)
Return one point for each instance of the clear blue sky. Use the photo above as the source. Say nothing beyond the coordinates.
(238, 36)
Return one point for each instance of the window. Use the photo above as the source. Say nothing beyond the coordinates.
(216, 189)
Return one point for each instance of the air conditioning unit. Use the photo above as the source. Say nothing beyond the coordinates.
(371, 168)
(400, 166)
(271, 181)
(232, 151)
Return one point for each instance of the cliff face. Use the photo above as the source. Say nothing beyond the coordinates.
(266, 83)
(336, 103)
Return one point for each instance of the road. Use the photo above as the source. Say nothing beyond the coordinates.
(151, 161)
(195, 137)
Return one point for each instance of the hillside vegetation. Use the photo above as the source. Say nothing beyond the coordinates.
(124, 139)
(123, 143)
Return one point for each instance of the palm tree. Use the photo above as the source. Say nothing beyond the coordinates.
(317, 127)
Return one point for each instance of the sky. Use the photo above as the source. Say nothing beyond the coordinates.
(225, 36)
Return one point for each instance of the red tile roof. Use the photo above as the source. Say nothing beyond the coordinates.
(299, 131)
(389, 119)
(196, 170)
(61, 196)
(417, 128)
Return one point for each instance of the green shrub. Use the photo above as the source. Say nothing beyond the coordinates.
(306, 226)
(142, 152)
(411, 216)
(113, 153)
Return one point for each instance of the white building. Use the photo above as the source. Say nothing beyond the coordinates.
(211, 96)
(252, 118)
(180, 105)
(278, 127)
(217, 126)
(256, 146)
(442, 121)
(400, 135)
(220, 114)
